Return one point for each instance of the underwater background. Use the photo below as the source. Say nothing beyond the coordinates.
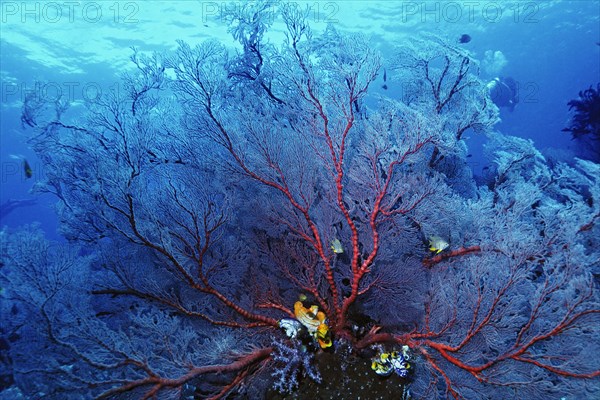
(54, 204)
(549, 47)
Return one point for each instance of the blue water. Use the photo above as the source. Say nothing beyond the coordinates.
(550, 48)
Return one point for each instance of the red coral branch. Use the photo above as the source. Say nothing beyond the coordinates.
(316, 240)
(158, 383)
(520, 351)
(204, 287)
(359, 271)
(589, 225)
(461, 251)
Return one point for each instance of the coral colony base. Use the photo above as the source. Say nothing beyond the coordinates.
(266, 224)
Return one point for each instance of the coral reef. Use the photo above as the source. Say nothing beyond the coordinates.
(198, 204)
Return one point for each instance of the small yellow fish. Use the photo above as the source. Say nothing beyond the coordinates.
(437, 244)
(336, 246)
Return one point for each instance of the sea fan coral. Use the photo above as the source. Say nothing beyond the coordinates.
(585, 123)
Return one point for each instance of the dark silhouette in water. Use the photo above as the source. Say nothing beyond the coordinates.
(27, 169)
(464, 38)
(10, 205)
(584, 125)
(504, 92)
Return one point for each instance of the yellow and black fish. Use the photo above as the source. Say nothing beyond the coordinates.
(336, 246)
(437, 244)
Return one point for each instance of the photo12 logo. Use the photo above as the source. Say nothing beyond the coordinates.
(69, 91)
(68, 11)
(469, 11)
(316, 11)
